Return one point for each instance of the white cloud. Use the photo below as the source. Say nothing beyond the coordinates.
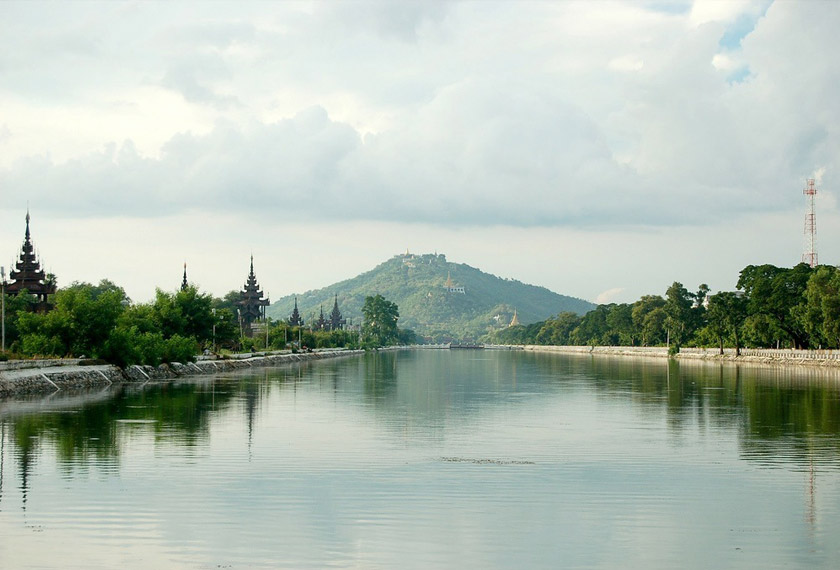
(599, 119)
(608, 295)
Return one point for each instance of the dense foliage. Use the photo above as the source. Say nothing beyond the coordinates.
(101, 322)
(416, 284)
(796, 307)
(380, 324)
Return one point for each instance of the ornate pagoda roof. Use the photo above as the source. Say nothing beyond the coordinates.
(295, 319)
(184, 283)
(336, 321)
(251, 298)
(27, 273)
(321, 323)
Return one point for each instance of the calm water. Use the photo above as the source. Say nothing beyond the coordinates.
(431, 459)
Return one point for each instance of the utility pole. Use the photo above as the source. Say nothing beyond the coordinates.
(214, 331)
(3, 302)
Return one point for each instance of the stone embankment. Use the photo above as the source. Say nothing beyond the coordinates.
(753, 355)
(45, 376)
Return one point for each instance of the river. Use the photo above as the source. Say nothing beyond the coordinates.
(431, 459)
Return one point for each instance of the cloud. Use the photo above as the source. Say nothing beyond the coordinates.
(608, 295)
(454, 114)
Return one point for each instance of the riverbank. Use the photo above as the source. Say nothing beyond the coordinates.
(795, 357)
(47, 376)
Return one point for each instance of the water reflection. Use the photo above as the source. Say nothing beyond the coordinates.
(323, 449)
(782, 413)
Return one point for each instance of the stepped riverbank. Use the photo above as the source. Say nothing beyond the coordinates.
(47, 376)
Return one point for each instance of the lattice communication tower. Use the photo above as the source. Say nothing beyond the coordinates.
(810, 255)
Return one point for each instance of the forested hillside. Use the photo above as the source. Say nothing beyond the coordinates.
(417, 284)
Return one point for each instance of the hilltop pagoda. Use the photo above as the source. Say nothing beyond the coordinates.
(251, 302)
(336, 322)
(295, 319)
(28, 276)
(451, 287)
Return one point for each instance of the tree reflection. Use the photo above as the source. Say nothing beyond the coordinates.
(783, 413)
(88, 432)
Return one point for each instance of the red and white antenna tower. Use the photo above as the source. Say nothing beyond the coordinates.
(810, 255)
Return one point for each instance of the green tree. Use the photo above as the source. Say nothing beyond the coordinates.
(678, 321)
(774, 294)
(648, 318)
(187, 313)
(16, 305)
(820, 314)
(79, 323)
(726, 315)
(620, 321)
(593, 327)
(557, 331)
(380, 325)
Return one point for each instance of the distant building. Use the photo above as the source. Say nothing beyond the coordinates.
(336, 321)
(295, 320)
(251, 303)
(451, 287)
(321, 323)
(28, 276)
(515, 320)
(184, 284)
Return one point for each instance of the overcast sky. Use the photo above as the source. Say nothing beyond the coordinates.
(600, 149)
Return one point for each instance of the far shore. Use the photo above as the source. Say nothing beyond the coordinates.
(782, 356)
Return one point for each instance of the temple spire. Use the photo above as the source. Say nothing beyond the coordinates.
(27, 275)
(295, 319)
(336, 321)
(321, 324)
(251, 302)
(184, 284)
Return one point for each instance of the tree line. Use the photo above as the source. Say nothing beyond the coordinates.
(101, 322)
(774, 307)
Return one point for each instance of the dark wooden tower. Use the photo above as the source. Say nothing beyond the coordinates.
(336, 321)
(28, 276)
(295, 320)
(251, 302)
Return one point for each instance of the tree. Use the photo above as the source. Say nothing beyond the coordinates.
(776, 293)
(557, 331)
(17, 305)
(647, 321)
(726, 315)
(380, 325)
(187, 313)
(820, 314)
(620, 321)
(593, 327)
(678, 303)
(79, 324)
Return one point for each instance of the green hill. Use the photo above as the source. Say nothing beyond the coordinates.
(417, 284)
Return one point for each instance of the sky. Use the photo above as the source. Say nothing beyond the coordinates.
(600, 149)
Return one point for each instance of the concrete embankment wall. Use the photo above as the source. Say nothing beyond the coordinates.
(755, 355)
(46, 376)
